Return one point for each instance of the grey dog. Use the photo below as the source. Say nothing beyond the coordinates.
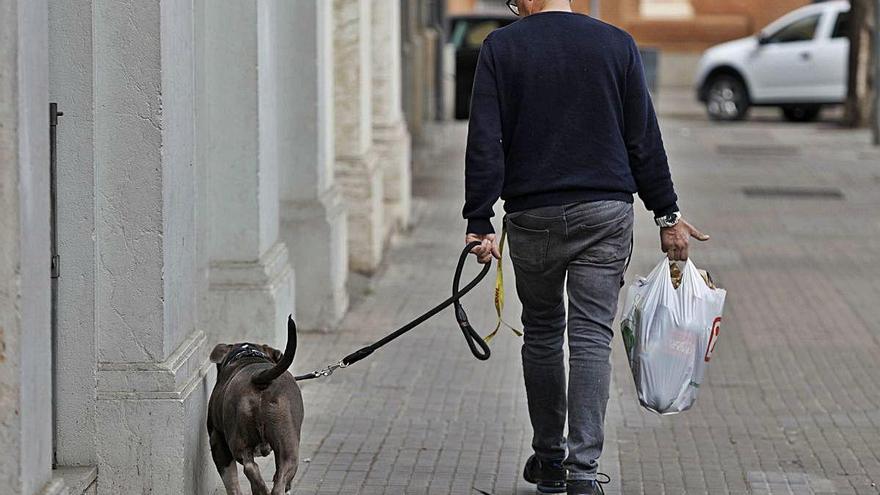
(256, 408)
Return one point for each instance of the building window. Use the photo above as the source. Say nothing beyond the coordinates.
(666, 9)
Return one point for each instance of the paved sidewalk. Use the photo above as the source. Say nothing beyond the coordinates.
(791, 404)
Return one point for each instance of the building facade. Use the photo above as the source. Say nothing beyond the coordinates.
(689, 25)
(671, 25)
(219, 166)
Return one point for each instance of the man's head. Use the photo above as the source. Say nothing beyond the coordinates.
(525, 8)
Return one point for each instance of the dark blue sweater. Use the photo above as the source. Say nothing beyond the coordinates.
(560, 114)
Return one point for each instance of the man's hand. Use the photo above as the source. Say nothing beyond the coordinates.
(674, 240)
(487, 248)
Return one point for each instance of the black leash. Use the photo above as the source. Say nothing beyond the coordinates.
(479, 348)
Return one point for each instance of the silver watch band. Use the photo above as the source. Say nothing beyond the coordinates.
(667, 221)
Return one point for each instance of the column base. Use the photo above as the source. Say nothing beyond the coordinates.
(250, 300)
(361, 180)
(55, 487)
(74, 480)
(316, 234)
(395, 155)
(151, 424)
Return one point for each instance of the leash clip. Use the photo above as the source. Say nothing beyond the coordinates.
(330, 369)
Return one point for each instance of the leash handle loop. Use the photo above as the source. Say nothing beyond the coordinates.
(478, 347)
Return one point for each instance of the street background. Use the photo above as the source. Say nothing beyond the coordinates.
(178, 175)
(791, 404)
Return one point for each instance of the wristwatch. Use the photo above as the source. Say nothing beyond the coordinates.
(667, 221)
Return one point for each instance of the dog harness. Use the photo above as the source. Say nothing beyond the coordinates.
(246, 350)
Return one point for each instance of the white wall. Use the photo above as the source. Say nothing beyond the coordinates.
(34, 200)
(25, 335)
(10, 252)
(71, 72)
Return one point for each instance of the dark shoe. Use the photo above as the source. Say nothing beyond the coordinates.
(587, 487)
(549, 476)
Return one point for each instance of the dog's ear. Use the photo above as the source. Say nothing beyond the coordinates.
(219, 352)
(273, 353)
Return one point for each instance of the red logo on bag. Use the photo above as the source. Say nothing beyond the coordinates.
(713, 338)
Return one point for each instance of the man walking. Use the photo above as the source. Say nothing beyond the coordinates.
(563, 129)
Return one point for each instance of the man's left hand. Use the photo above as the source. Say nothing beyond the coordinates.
(487, 248)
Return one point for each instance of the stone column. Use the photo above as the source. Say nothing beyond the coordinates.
(313, 218)
(413, 68)
(390, 134)
(430, 56)
(151, 392)
(71, 85)
(357, 166)
(25, 333)
(251, 282)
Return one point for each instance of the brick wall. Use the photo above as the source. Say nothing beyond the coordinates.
(759, 12)
(714, 21)
(460, 6)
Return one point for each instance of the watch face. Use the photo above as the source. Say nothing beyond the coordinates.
(668, 220)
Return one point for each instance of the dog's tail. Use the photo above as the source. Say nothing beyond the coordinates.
(265, 377)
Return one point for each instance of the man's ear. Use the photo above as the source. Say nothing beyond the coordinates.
(273, 353)
(219, 352)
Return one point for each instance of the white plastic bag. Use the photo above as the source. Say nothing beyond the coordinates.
(669, 334)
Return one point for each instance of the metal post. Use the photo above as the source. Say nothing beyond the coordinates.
(594, 8)
(55, 261)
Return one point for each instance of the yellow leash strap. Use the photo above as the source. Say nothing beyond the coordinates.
(499, 291)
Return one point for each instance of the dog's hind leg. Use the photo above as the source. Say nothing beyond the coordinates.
(285, 470)
(286, 448)
(225, 463)
(252, 471)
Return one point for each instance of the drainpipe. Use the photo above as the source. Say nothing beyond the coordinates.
(54, 264)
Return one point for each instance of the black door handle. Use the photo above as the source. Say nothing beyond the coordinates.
(806, 55)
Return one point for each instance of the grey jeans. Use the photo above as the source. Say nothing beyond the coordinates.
(590, 243)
